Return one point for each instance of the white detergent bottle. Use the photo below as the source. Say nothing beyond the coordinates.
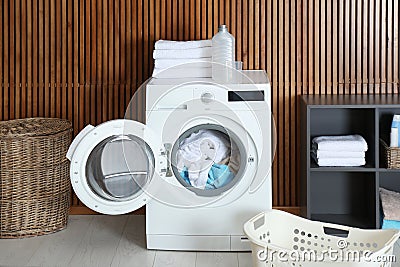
(394, 133)
(223, 55)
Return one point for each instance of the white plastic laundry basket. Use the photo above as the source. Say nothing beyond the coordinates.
(281, 239)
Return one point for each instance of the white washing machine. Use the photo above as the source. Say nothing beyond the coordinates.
(122, 165)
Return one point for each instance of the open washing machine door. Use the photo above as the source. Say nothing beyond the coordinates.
(115, 166)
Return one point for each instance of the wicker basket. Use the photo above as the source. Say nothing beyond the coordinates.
(34, 176)
(391, 155)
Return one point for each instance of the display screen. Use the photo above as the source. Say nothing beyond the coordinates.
(253, 95)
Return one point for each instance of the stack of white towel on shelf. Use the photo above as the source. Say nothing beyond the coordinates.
(345, 150)
(182, 59)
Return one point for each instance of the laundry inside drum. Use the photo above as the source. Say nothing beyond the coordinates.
(207, 158)
(119, 167)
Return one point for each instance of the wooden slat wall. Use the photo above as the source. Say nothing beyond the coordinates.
(83, 60)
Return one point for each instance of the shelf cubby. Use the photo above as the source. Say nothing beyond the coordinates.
(343, 197)
(385, 116)
(390, 180)
(346, 195)
(345, 121)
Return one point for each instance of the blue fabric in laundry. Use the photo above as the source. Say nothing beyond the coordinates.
(389, 224)
(185, 175)
(218, 176)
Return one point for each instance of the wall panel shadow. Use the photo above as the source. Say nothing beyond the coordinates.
(83, 60)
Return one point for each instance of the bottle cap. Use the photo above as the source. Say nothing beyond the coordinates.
(222, 27)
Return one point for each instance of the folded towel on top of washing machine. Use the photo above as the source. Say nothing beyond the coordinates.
(198, 152)
(168, 44)
(202, 52)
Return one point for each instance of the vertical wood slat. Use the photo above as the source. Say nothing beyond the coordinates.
(310, 44)
(82, 60)
(88, 61)
(396, 28)
(1, 59)
(389, 46)
(352, 39)
(110, 51)
(122, 57)
(341, 47)
(40, 108)
(29, 59)
(287, 64)
(99, 57)
(329, 45)
(297, 91)
(5, 85)
(82, 89)
(323, 46)
(277, 183)
(346, 47)
(93, 80)
(129, 45)
(53, 56)
(116, 40)
(35, 62)
(280, 95)
(383, 47)
(58, 56)
(304, 77)
(335, 47)
(317, 48)
(371, 80)
(359, 40)
(377, 43)
(75, 71)
(46, 39)
(106, 25)
(17, 87)
(64, 57)
(12, 59)
(24, 37)
(292, 102)
(364, 81)
(256, 34)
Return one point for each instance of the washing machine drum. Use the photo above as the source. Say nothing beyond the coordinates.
(119, 167)
(208, 159)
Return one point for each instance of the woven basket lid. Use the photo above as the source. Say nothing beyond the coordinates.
(33, 127)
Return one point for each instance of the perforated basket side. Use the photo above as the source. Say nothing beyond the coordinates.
(279, 231)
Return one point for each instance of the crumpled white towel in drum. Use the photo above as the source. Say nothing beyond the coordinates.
(199, 152)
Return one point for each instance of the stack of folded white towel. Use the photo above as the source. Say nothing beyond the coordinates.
(346, 150)
(182, 59)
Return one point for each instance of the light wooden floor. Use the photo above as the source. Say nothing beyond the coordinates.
(109, 241)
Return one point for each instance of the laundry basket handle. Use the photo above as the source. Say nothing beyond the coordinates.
(337, 230)
(255, 222)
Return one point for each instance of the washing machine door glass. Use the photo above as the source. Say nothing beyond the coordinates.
(119, 167)
(116, 166)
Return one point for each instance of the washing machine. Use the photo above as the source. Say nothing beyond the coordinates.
(121, 165)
